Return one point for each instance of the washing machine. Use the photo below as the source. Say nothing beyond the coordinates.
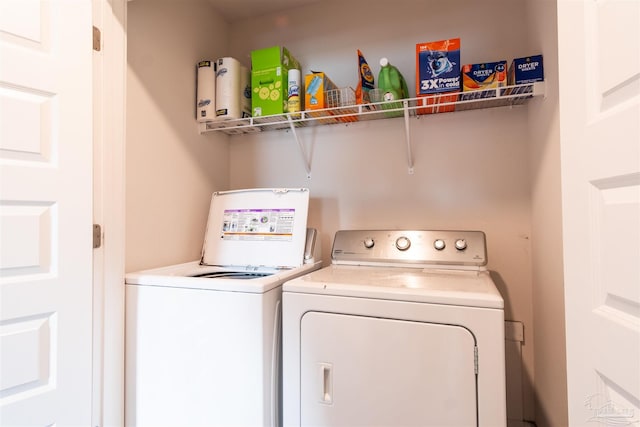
(203, 339)
(404, 328)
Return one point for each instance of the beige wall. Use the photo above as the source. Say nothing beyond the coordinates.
(171, 169)
(494, 170)
(471, 168)
(548, 287)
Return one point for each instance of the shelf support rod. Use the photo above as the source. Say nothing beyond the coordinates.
(303, 152)
(407, 133)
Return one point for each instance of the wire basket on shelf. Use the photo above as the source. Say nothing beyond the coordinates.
(343, 103)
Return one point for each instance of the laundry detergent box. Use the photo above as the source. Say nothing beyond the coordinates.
(438, 74)
(269, 69)
(479, 77)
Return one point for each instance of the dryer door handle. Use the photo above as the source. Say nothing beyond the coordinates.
(326, 379)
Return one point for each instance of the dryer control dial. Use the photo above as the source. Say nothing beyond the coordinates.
(369, 243)
(439, 244)
(461, 244)
(403, 243)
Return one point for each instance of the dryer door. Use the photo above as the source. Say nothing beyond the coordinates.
(367, 371)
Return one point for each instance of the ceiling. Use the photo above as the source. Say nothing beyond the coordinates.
(235, 10)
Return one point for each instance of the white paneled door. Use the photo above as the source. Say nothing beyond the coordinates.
(599, 62)
(45, 212)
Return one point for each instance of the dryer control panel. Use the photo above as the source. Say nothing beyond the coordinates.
(411, 248)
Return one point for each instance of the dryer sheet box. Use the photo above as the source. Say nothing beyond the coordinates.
(438, 74)
(528, 69)
(478, 77)
(269, 70)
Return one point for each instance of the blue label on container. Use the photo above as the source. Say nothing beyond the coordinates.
(294, 90)
(439, 71)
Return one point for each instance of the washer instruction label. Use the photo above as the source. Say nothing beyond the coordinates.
(258, 224)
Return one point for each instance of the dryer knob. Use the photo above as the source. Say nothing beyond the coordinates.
(403, 243)
(461, 244)
(439, 244)
(369, 243)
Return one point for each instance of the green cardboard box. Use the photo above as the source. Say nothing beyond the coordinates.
(272, 57)
(269, 68)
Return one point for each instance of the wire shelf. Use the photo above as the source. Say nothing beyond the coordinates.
(343, 109)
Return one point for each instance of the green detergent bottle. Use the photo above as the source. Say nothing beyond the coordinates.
(393, 87)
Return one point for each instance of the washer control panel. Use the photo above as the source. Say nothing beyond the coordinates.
(420, 247)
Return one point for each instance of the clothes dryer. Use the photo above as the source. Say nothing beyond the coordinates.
(203, 339)
(404, 328)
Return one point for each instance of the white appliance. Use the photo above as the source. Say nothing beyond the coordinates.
(404, 328)
(203, 338)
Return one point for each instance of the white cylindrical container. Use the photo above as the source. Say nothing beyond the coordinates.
(294, 83)
(228, 92)
(206, 91)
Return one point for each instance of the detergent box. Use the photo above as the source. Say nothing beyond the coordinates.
(269, 69)
(317, 84)
(438, 74)
(477, 77)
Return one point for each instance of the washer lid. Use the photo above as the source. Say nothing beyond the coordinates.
(452, 287)
(257, 227)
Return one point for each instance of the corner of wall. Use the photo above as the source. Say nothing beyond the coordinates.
(550, 375)
(172, 169)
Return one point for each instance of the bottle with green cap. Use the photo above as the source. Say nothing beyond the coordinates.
(393, 87)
